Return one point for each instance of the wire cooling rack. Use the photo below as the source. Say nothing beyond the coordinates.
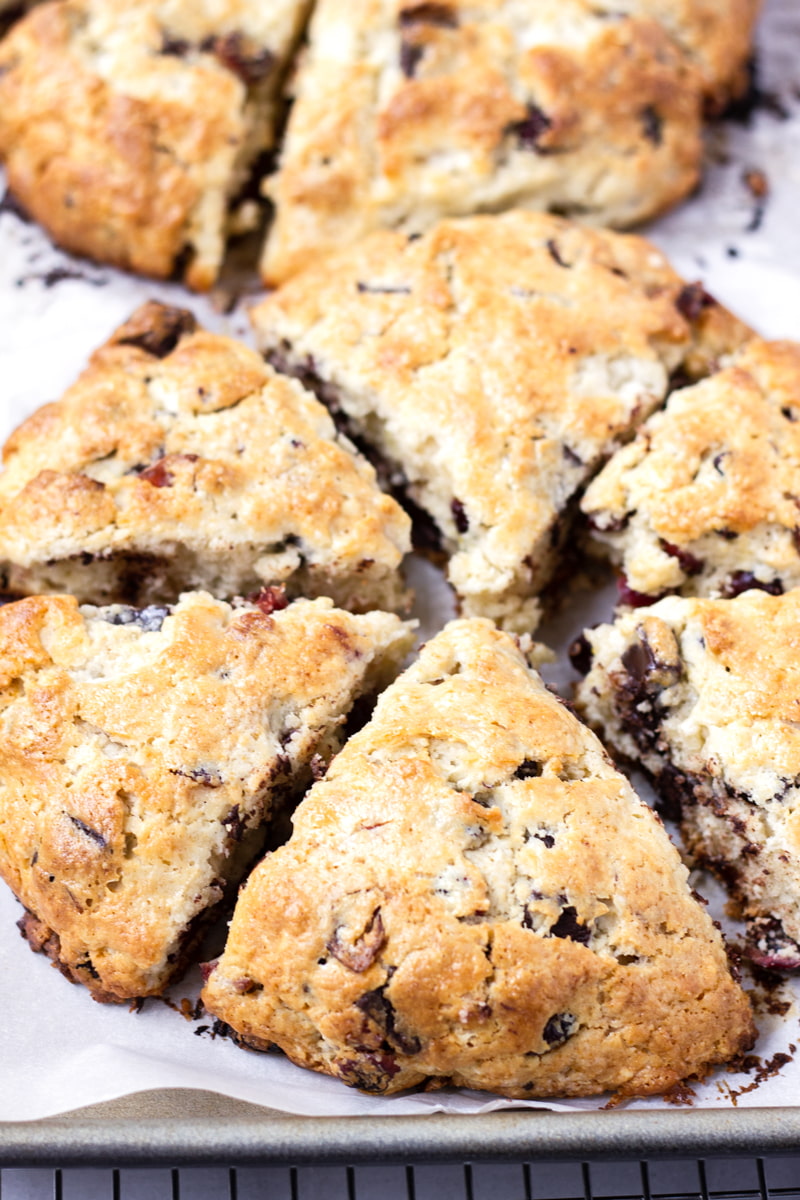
(689, 1179)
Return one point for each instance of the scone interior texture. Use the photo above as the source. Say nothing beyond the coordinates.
(706, 500)
(181, 460)
(130, 128)
(144, 752)
(492, 365)
(706, 695)
(474, 895)
(407, 112)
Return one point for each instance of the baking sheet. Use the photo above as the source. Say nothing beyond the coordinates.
(58, 1049)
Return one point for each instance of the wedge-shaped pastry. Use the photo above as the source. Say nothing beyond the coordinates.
(706, 500)
(180, 460)
(493, 364)
(130, 128)
(407, 111)
(143, 753)
(474, 895)
(706, 695)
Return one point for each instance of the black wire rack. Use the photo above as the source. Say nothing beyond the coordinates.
(695, 1179)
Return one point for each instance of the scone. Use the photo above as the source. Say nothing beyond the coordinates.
(493, 364)
(130, 128)
(181, 460)
(705, 694)
(143, 753)
(474, 895)
(406, 112)
(706, 500)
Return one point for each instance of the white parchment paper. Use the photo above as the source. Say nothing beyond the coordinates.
(60, 1050)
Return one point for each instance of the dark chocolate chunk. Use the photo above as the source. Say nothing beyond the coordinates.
(176, 46)
(581, 654)
(529, 769)
(96, 837)
(790, 412)
(149, 619)
(459, 515)
(555, 253)
(381, 1012)
(560, 1027)
(568, 926)
(410, 55)
(383, 289)
(652, 125)
(440, 15)
(743, 581)
(638, 659)
(529, 130)
(234, 52)
(370, 1073)
(769, 945)
(168, 326)
(235, 823)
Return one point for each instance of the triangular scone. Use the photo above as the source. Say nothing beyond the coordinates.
(706, 500)
(143, 752)
(494, 364)
(130, 128)
(705, 694)
(408, 111)
(180, 460)
(475, 895)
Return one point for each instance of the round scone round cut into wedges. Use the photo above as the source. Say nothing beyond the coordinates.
(474, 895)
(144, 753)
(705, 694)
(130, 128)
(180, 460)
(706, 500)
(407, 111)
(491, 366)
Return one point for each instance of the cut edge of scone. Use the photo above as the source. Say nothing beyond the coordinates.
(140, 141)
(147, 754)
(706, 500)
(320, 327)
(474, 896)
(703, 694)
(180, 460)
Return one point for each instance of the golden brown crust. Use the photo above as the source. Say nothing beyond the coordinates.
(495, 362)
(143, 752)
(406, 113)
(128, 128)
(543, 942)
(707, 499)
(180, 459)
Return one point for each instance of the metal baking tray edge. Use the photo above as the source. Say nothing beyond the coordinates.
(183, 1128)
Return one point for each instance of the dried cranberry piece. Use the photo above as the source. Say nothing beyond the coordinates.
(692, 299)
(269, 599)
(690, 564)
(627, 595)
